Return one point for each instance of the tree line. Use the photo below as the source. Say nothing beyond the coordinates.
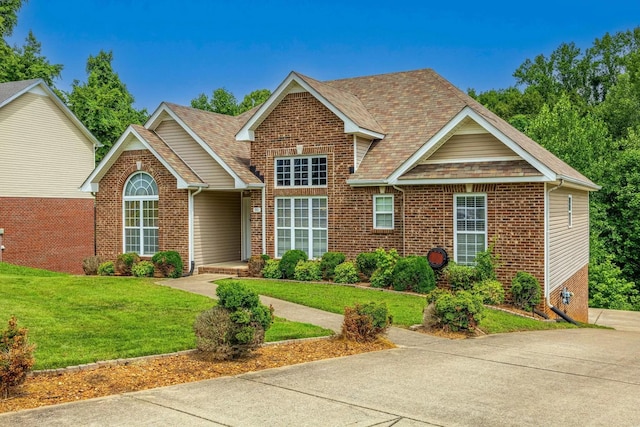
(582, 105)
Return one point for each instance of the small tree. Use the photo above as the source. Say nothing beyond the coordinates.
(16, 357)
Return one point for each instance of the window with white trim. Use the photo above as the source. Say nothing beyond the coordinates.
(301, 171)
(140, 214)
(383, 211)
(301, 223)
(470, 227)
(570, 210)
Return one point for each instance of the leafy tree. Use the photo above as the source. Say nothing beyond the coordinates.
(103, 103)
(24, 63)
(9, 16)
(224, 102)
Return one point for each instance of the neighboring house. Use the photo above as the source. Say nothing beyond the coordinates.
(402, 160)
(45, 155)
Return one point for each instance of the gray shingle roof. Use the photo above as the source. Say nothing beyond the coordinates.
(10, 89)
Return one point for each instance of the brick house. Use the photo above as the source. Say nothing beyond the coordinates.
(45, 155)
(402, 160)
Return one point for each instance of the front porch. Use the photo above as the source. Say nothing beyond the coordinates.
(232, 268)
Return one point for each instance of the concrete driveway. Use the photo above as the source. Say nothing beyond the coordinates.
(570, 377)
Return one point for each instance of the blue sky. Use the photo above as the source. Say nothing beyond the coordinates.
(172, 51)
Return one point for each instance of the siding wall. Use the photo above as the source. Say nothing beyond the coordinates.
(42, 154)
(471, 146)
(194, 155)
(217, 222)
(362, 146)
(568, 247)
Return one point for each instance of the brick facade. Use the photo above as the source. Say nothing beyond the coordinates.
(51, 233)
(578, 308)
(173, 206)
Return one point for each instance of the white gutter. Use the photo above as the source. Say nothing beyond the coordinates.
(404, 229)
(547, 286)
(191, 227)
(264, 220)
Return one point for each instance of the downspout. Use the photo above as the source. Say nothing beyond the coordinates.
(264, 219)
(192, 260)
(547, 291)
(95, 224)
(404, 229)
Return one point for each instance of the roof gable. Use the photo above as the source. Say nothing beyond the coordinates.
(11, 91)
(138, 137)
(355, 116)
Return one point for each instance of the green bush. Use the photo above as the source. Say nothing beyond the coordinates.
(491, 291)
(289, 261)
(329, 262)
(459, 311)
(383, 276)
(525, 290)
(365, 322)
(125, 261)
(307, 271)
(272, 270)
(106, 269)
(367, 263)
(459, 276)
(346, 273)
(236, 326)
(16, 357)
(255, 265)
(486, 264)
(143, 269)
(91, 264)
(265, 257)
(168, 263)
(413, 273)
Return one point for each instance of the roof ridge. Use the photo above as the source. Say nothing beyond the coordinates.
(431, 70)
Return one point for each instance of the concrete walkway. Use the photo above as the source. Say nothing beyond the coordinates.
(618, 319)
(578, 377)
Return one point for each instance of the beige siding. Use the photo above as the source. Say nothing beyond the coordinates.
(362, 146)
(42, 153)
(468, 126)
(568, 247)
(470, 147)
(194, 155)
(217, 222)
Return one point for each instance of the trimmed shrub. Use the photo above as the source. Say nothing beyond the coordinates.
(459, 276)
(256, 264)
(346, 273)
(459, 311)
(486, 264)
(307, 271)
(236, 326)
(125, 261)
(329, 262)
(365, 322)
(16, 357)
(143, 269)
(272, 270)
(265, 257)
(525, 290)
(289, 261)
(367, 263)
(106, 269)
(168, 263)
(383, 276)
(491, 291)
(91, 264)
(413, 273)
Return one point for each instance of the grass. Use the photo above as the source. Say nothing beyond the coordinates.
(405, 309)
(81, 319)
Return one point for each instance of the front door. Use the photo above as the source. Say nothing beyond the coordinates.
(246, 228)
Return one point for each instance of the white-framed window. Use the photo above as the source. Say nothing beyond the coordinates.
(310, 171)
(140, 214)
(383, 211)
(301, 223)
(570, 210)
(470, 226)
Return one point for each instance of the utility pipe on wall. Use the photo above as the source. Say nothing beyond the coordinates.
(404, 229)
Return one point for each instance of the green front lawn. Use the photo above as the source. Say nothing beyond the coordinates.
(406, 309)
(77, 319)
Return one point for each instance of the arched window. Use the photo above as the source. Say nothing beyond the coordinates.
(140, 214)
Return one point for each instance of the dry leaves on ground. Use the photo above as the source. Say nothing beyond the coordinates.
(45, 390)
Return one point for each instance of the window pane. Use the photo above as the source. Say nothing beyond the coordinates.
(283, 172)
(319, 213)
(150, 241)
(141, 184)
(301, 212)
(384, 220)
(150, 213)
(471, 226)
(283, 241)
(131, 213)
(283, 212)
(319, 171)
(132, 240)
(301, 172)
(319, 243)
(301, 240)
